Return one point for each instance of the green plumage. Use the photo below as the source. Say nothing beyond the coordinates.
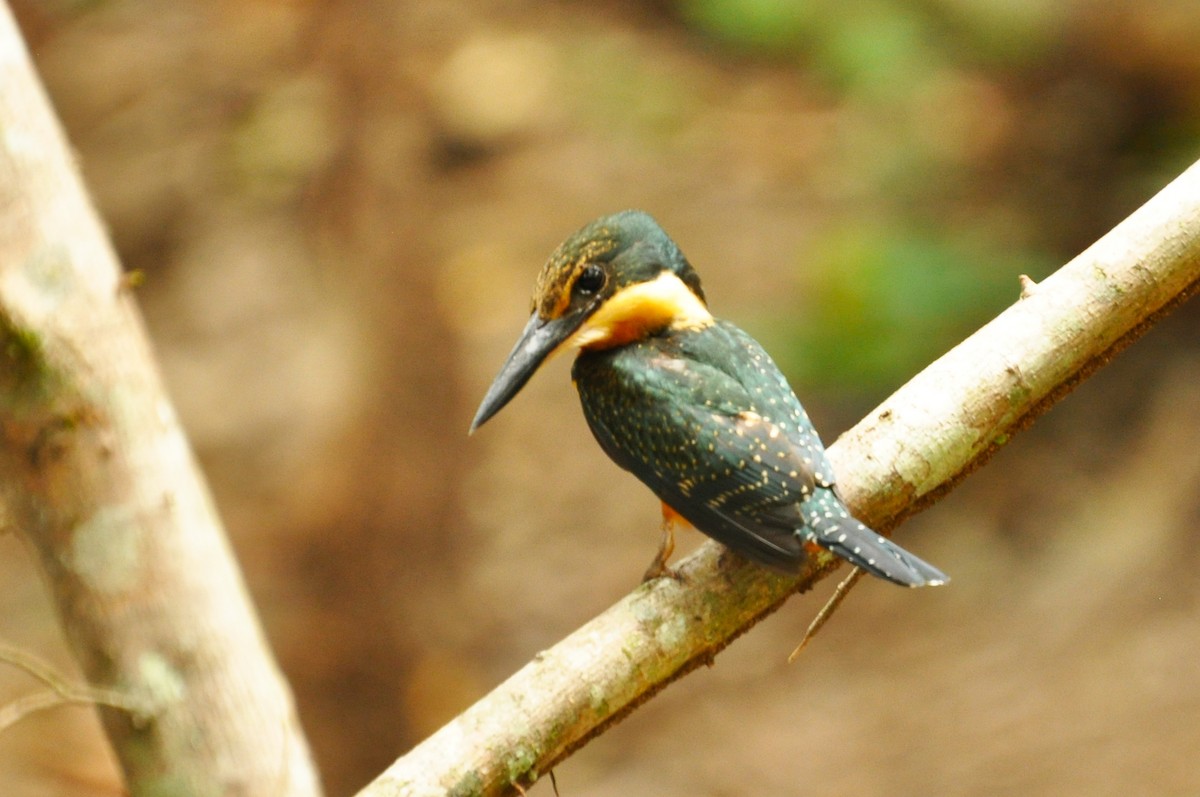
(707, 421)
(691, 406)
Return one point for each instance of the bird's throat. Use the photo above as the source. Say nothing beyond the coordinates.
(638, 311)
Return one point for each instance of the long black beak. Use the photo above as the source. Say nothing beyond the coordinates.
(537, 341)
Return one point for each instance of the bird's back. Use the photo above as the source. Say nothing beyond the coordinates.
(705, 418)
(707, 421)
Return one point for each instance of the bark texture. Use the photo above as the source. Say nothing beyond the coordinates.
(96, 474)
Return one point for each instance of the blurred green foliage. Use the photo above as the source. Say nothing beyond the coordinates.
(889, 298)
(875, 44)
(975, 142)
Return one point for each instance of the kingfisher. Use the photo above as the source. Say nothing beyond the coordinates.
(689, 404)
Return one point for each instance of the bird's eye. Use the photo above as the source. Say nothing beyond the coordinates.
(590, 280)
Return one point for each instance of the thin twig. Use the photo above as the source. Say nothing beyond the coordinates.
(61, 691)
(835, 600)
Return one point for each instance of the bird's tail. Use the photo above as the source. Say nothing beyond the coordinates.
(829, 525)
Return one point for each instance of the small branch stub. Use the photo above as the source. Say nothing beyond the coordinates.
(1028, 286)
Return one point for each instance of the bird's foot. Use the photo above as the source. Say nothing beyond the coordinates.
(658, 569)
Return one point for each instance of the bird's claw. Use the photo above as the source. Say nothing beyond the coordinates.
(658, 569)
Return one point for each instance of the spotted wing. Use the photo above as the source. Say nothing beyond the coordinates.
(700, 439)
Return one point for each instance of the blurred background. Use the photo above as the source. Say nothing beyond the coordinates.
(339, 209)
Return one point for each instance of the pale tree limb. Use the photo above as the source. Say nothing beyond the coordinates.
(97, 476)
(914, 447)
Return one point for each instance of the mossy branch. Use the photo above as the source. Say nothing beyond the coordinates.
(911, 450)
(96, 475)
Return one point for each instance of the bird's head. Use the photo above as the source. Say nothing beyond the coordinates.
(617, 280)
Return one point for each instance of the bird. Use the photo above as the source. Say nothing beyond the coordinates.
(691, 405)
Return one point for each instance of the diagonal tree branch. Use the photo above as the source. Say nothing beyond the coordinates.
(97, 476)
(911, 450)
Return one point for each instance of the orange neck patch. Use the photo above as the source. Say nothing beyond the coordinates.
(641, 310)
